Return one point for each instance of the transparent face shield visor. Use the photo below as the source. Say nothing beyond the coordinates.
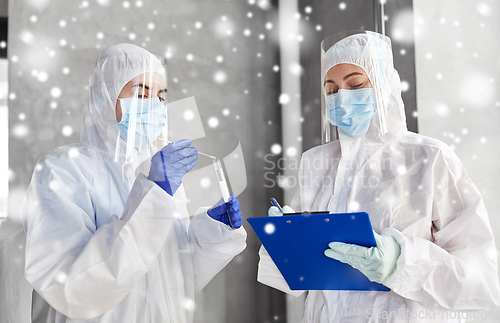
(143, 128)
(142, 103)
(366, 50)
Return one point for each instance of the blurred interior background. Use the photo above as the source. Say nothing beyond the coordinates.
(253, 68)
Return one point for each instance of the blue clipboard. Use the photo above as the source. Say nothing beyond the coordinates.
(296, 243)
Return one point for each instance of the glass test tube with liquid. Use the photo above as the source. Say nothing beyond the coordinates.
(219, 172)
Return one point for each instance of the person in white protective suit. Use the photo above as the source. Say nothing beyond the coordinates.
(109, 238)
(435, 247)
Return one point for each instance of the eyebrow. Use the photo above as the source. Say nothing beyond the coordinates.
(345, 77)
(141, 85)
(352, 74)
(147, 87)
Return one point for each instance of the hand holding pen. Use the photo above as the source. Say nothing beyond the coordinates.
(277, 210)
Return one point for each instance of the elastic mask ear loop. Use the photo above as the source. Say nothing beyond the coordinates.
(378, 86)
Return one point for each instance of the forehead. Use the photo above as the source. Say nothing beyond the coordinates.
(149, 79)
(341, 70)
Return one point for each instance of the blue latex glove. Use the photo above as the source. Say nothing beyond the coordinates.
(171, 163)
(274, 211)
(376, 263)
(228, 213)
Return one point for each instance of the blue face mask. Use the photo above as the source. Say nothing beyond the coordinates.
(149, 119)
(352, 110)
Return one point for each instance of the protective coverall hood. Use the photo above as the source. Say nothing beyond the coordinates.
(372, 52)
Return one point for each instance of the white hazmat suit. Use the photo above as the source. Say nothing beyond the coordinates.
(415, 189)
(105, 245)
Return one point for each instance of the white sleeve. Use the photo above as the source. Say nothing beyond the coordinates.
(459, 270)
(214, 245)
(82, 273)
(270, 275)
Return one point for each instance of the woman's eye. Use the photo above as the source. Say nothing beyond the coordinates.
(331, 92)
(357, 86)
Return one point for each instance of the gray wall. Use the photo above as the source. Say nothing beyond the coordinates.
(4, 8)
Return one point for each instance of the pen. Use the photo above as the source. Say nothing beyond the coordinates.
(275, 203)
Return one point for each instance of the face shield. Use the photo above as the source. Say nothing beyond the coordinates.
(125, 113)
(142, 115)
(369, 55)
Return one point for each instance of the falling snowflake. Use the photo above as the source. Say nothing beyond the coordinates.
(220, 77)
(55, 92)
(276, 149)
(205, 182)
(67, 131)
(405, 86)
(284, 98)
(213, 122)
(291, 151)
(20, 131)
(42, 76)
(188, 115)
(269, 228)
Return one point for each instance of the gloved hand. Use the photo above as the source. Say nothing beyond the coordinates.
(274, 211)
(171, 163)
(228, 213)
(376, 263)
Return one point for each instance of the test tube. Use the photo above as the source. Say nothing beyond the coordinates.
(219, 172)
